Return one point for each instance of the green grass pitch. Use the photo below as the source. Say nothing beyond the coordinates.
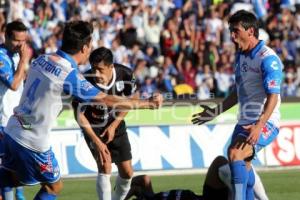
(279, 184)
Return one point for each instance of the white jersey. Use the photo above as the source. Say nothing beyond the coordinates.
(8, 98)
(50, 78)
(258, 73)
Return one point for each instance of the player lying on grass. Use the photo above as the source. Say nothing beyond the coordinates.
(216, 186)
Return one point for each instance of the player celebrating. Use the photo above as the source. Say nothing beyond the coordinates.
(14, 57)
(258, 72)
(104, 128)
(26, 144)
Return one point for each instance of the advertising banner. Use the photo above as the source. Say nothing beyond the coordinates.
(165, 148)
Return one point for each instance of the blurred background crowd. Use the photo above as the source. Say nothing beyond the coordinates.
(179, 47)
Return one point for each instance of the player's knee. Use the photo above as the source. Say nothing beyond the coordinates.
(127, 174)
(146, 180)
(105, 169)
(54, 188)
(235, 154)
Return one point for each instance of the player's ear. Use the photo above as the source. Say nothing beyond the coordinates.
(251, 31)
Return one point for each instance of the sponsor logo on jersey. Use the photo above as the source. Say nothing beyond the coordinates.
(275, 65)
(120, 85)
(272, 84)
(86, 85)
(48, 67)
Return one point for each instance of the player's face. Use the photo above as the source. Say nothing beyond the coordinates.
(103, 73)
(240, 36)
(16, 40)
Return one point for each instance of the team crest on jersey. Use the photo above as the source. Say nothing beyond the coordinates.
(120, 85)
(1, 64)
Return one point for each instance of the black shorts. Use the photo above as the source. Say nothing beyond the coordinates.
(210, 193)
(119, 148)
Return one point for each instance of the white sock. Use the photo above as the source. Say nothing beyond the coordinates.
(259, 190)
(8, 193)
(121, 189)
(103, 186)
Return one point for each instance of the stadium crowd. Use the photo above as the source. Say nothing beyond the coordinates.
(178, 47)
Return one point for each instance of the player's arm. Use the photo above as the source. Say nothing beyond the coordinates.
(104, 154)
(20, 73)
(209, 114)
(272, 75)
(80, 88)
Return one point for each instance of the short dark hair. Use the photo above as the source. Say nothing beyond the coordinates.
(14, 26)
(76, 34)
(101, 54)
(247, 20)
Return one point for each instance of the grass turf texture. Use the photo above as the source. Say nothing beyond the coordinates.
(279, 184)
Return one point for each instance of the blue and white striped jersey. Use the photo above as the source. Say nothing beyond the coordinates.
(258, 73)
(8, 98)
(52, 78)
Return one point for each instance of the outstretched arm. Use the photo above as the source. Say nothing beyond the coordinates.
(120, 102)
(209, 114)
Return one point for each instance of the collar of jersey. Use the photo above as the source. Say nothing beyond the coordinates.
(253, 51)
(6, 51)
(107, 87)
(68, 58)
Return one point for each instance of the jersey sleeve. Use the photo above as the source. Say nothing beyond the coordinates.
(6, 72)
(272, 74)
(130, 86)
(76, 85)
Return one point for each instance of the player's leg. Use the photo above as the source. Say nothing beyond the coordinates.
(259, 190)
(141, 186)
(103, 185)
(20, 193)
(214, 187)
(123, 180)
(49, 191)
(238, 167)
(121, 156)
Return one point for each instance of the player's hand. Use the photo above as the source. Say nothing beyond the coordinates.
(206, 115)
(109, 132)
(157, 100)
(103, 153)
(25, 53)
(254, 133)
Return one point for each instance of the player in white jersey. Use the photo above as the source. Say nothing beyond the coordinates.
(28, 155)
(258, 72)
(14, 57)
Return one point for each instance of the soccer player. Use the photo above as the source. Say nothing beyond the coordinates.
(28, 158)
(258, 72)
(104, 128)
(216, 186)
(14, 57)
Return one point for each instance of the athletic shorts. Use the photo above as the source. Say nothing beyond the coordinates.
(267, 135)
(31, 167)
(210, 193)
(119, 148)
